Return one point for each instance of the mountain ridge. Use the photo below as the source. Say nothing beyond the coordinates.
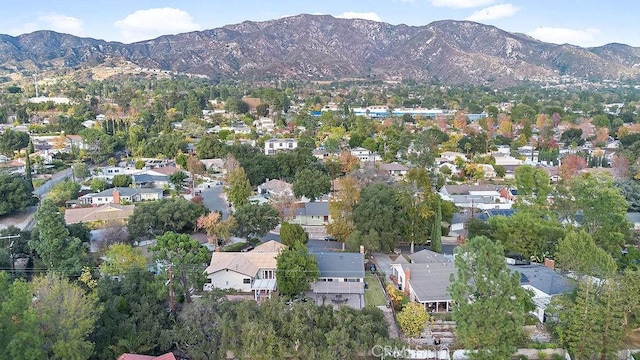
(322, 47)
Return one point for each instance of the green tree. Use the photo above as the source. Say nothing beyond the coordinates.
(134, 317)
(13, 141)
(119, 258)
(238, 187)
(256, 220)
(121, 180)
(593, 201)
(412, 319)
(416, 199)
(98, 184)
(341, 208)
(185, 257)
(436, 232)
(57, 322)
(533, 186)
(157, 217)
(378, 213)
(311, 184)
(578, 252)
(64, 191)
(528, 232)
(15, 194)
(296, 270)
(489, 304)
(209, 147)
(177, 178)
(291, 234)
(80, 170)
(140, 164)
(57, 249)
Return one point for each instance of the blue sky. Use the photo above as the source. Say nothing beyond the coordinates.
(579, 22)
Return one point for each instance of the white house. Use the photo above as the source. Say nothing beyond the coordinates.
(246, 272)
(394, 169)
(264, 125)
(365, 155)
(117, 195)
(274, 146)
(276, 188)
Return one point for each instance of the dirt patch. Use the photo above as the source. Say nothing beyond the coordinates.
(633, 339)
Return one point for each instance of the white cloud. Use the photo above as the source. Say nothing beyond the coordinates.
(151, 23)
(461, 4)
(25, 28)
(493, 12)
(51, 21)
(62, 23)
(585, 37)
(360, 15)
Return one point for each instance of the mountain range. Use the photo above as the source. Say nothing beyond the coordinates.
(321, 47)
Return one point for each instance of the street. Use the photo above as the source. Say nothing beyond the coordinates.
(213, 200)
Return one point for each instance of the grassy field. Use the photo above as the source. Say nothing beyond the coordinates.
(373, 296)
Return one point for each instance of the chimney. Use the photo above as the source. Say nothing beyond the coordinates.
(407, 277)
(362, 249)
(116, 197)
(551, 264)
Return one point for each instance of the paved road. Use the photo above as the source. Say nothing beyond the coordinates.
(213, 200)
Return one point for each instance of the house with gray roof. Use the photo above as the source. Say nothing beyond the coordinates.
(426, 279)
(544, 282)
(312, 213)
(341, 280)
(150, 181)
(119, 194)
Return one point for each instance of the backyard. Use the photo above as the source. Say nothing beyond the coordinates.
(373, 295)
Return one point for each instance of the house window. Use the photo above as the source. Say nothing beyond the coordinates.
(290, 145)
(246, 281)
(268, 274)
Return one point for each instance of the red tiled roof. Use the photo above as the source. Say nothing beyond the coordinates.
(167, 356)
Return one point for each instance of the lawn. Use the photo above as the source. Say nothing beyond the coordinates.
(373, 296)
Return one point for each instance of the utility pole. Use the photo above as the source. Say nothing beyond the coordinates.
(13, 261)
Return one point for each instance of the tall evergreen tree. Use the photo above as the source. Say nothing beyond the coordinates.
(57, 249)
(436, 232)
(490, 305)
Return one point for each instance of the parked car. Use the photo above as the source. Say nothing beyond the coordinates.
(330, 238)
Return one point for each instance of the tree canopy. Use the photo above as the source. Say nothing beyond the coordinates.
(489, 304)
(296, 270)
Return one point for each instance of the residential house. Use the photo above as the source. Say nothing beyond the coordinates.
(119, 194)
(320, 154)
(251, 271)
(264, 125)
(394, 169)
(213, 165)
(545, 283)
(341, 280)
(164, 170)
(167, 356)
(475, 196)
(14, 166)
(489, 171)
(274, 187)
(109, 172)
(75, 141)
(426, 279)
(451, 156)
(274, 146)
(312, 213)
(144, 180)
(102, 214)
(365, 155)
